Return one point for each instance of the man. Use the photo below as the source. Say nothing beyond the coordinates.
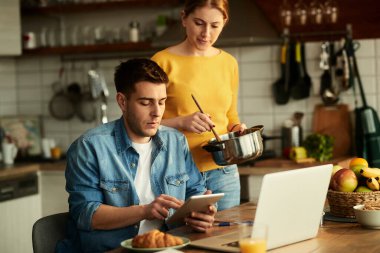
(127, 176)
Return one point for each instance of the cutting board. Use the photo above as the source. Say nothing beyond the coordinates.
(335, 121)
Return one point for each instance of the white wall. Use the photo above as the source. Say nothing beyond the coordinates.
(25, 87)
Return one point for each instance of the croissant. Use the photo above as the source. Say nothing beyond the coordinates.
(155, 239)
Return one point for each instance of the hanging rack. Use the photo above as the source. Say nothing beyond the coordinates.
(347, 33)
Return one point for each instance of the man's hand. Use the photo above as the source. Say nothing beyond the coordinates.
(202, 221)
(159, 208)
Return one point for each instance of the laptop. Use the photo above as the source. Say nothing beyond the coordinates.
(290, 204)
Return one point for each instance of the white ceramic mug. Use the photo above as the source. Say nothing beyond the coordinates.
(9, 152)
(47, 145)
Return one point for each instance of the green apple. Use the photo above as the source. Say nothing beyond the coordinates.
(363, 188)
(344, 180)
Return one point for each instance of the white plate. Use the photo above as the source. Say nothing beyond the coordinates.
(128, 245)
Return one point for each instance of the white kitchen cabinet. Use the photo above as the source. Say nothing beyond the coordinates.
(53, 194)
(10, 28)
(17, 217)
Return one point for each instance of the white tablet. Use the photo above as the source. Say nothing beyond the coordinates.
(199, 203)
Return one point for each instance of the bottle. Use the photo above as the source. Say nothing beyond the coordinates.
(134, 31)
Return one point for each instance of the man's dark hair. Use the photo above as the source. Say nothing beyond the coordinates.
(130, 72)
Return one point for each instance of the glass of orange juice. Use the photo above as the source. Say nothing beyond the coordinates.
(253, 239)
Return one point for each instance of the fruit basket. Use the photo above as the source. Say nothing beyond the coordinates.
(341, 203)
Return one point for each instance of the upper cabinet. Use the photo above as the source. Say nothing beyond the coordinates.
(95, 27)
(10, 35)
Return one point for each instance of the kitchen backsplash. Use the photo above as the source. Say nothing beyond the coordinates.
(26, 88)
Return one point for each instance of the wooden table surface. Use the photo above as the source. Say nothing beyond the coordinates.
(333, 237)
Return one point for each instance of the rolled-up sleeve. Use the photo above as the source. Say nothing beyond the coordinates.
(82, 183)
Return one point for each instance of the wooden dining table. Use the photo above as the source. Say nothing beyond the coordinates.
(332, 236)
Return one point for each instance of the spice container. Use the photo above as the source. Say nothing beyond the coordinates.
(134, 31)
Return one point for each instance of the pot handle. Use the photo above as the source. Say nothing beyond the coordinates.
(214, 147)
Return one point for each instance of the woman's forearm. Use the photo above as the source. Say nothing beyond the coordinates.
(172, 122)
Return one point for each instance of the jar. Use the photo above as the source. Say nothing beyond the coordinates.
(29, 40)
(134, 31)
(291, 137)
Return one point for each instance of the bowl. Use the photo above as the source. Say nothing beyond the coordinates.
(235, 148)
(367, 218)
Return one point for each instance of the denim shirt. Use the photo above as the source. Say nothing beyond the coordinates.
(101, 167)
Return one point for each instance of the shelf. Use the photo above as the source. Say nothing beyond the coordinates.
(86, 7)
(104, 48)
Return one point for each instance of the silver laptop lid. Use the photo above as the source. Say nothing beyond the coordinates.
(291, 204)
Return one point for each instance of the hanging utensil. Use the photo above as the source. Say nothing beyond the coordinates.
(212, 128)
(280, 88)
(327, 93)
(367, 123)
(301, 88)
(61, 106)
(85, 107)
(104, 96)
(99, 89)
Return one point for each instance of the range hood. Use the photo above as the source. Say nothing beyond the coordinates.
(247, 26)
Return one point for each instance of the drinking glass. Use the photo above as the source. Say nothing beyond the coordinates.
(331, 11)
(300, 12)
(253, 239)
(316, 12)
(286, 14)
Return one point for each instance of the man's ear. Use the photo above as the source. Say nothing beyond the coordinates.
(121, 100)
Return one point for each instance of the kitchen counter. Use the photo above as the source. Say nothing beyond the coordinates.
(263, 167)
(260, 168)
(8, 172)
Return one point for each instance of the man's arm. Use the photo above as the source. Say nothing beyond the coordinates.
(110, 217)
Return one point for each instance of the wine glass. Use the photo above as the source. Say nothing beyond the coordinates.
(316, 12)
(331, 11)
(300, 12)
(286, 13)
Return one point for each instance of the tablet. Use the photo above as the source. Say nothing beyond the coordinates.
(199, 203)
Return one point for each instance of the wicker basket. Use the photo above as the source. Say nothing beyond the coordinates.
(341, 203)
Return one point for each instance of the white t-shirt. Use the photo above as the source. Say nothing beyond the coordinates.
(142, 183)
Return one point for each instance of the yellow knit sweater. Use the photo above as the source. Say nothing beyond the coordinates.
(214, 82)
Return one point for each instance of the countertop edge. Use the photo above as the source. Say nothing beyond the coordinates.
(18, 170)
(259, 169)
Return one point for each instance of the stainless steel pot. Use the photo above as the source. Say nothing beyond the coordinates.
(237, 148)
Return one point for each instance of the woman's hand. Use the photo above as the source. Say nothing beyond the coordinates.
(197, 122)
(238, 127)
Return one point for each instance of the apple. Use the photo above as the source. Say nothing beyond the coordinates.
(334, 170)
(344, 180)
(363, 189)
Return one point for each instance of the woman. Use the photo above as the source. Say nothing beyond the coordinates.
(196, 67)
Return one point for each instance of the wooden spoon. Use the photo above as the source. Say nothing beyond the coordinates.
(212, 128)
